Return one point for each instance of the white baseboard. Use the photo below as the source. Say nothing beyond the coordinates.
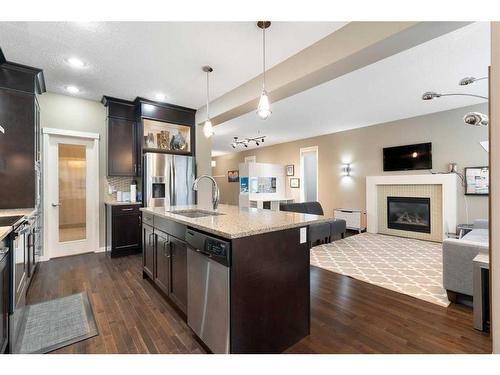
(100, 250)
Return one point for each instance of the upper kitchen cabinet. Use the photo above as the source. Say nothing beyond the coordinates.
(123, 149)
(145, 126)
(20, 144)
(166, 128)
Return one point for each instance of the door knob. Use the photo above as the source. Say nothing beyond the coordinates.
(56, 204)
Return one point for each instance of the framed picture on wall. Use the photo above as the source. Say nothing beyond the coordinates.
(290, 170)
(294, 183)
(477, 181)
(233, 176)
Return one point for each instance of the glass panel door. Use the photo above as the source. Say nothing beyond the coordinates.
(72, 167)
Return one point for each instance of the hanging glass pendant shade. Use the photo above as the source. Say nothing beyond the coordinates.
(264, 107)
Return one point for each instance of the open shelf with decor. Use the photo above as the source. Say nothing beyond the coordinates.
(159, 136)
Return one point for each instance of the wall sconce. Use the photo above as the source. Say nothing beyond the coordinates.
(346, 169)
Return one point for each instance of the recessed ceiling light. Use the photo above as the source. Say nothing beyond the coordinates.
(160, 97)
(72, 89)
(75, 62)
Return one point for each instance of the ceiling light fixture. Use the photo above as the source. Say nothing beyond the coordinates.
(264, 108)
(429, 95)
(72, 89)
(470, 118)
(75, 62)
(160, 97)
(476, 119)
(208, 129)
(468, 80)
(247, 141)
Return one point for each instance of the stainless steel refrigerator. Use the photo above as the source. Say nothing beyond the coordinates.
(168, 180)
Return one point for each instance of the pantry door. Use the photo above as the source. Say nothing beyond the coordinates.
(71, 192)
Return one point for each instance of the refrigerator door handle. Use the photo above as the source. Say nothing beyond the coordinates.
(172, 183)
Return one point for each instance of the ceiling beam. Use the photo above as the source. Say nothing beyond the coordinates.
(352, 47)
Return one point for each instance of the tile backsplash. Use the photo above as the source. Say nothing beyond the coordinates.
(120, 184)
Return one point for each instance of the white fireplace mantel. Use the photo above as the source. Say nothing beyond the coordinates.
(449, 185)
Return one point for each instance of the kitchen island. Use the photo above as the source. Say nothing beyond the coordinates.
(257, 265)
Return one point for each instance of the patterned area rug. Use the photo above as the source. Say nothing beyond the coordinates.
(404, 265)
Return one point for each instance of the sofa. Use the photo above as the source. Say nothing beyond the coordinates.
(319, 232)
(457, 260)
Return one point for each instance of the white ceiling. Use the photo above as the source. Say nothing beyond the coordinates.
(129, 59)
(384, 91)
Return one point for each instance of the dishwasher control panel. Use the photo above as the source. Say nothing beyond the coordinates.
(216, 249)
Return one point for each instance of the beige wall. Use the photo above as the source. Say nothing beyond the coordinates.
(70, 113)
(452, 141)
(495, 183)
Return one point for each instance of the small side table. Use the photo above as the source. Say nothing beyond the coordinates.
(463, 229)
(480, 269)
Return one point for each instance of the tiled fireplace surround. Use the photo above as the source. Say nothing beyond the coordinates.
(440, 188)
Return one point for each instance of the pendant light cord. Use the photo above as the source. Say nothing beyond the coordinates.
(208, 97)
(264, 57)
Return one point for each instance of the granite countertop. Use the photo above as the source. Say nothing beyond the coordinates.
(4, 231)
(116, 203)
(236, 222)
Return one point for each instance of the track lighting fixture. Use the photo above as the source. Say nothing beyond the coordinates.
(246, 141)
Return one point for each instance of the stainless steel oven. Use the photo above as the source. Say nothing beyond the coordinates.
(19, 277)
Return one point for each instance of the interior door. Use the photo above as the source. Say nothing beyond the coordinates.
(72, 195)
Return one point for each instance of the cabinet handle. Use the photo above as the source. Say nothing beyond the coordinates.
(165, 250)
(140, 220)
(127, 209)
(135, 168)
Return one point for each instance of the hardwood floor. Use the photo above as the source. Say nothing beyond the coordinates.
(347, 315)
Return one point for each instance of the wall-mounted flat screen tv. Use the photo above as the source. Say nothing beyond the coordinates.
(408, 157)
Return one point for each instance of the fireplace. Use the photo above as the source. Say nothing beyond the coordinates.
(409, 213)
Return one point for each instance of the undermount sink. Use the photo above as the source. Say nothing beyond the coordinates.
(195, 213)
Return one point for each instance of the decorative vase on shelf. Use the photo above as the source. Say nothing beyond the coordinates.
(162, 139)
(178, 142)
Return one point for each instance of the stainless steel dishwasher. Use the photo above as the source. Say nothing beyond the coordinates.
(208, 261)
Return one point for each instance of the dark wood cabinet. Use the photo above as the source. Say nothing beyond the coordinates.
(123, 229)
(165, 258)
(4, 299)
(178, 270)
(123, 144)
(19, 85)
(122, 153)
(148, 251)
(162, 276)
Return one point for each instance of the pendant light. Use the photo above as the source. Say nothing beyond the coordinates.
(208, 129)
(264, 108)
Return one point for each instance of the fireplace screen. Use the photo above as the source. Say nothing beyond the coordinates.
(409, 213)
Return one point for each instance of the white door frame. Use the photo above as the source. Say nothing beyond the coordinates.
(302, 182)
(92, 224)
